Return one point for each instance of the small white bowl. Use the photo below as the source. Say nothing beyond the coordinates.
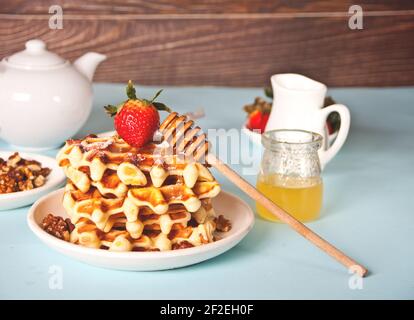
(19, 199)
(232, 207)
(253, 136)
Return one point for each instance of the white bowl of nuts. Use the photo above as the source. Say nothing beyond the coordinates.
(25, 177)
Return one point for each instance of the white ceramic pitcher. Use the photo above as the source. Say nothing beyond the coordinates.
(298, 103)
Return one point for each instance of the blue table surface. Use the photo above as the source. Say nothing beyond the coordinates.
(368, 212)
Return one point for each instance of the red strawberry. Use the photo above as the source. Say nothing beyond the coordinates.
(257, 120)
(254, 120)
(136, 120)
(330, 127)
(258, 114)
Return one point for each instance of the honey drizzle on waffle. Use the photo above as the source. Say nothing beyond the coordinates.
(87, 162)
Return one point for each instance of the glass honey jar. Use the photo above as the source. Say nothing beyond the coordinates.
(290, 173)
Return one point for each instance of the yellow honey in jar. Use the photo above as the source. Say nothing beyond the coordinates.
(301, 197)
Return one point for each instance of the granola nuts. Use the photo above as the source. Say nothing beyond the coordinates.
(13, 160)
(18, 174)
(222, 224)
(39, 181)
(57, 227)
(182, 245)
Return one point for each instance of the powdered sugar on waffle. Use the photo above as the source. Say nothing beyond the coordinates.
(99, 145)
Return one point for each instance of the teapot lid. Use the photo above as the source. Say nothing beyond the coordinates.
(35, 55)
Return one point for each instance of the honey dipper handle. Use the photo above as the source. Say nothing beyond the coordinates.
(282, 215)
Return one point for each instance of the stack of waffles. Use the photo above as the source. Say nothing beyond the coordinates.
(126, 199)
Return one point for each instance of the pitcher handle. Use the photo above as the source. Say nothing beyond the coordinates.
(326, 155)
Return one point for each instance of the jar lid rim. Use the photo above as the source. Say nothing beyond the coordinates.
(291, 137)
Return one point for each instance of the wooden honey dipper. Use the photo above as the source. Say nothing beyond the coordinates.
(189, 141)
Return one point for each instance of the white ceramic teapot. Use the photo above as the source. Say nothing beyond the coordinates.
(44, 99)
(298, 104)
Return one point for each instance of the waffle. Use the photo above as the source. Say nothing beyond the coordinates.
(86, 162)
(158, 200)
(124, 199)
(105, 212)
(87, 234)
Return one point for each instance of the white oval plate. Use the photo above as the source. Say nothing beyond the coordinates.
(19, 199)
(232, 207)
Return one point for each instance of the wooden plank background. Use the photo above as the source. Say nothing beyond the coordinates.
(231, 43)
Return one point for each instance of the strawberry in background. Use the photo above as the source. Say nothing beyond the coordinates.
(258, 114)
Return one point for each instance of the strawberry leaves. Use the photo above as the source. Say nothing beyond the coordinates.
(161, 107)
(132, 95)
(156, 96)
(111, 110)
(130, 91)
(158, 105)
(268, 92)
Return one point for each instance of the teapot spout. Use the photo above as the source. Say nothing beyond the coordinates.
(87, 63)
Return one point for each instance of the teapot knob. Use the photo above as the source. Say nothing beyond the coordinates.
(35, 46)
